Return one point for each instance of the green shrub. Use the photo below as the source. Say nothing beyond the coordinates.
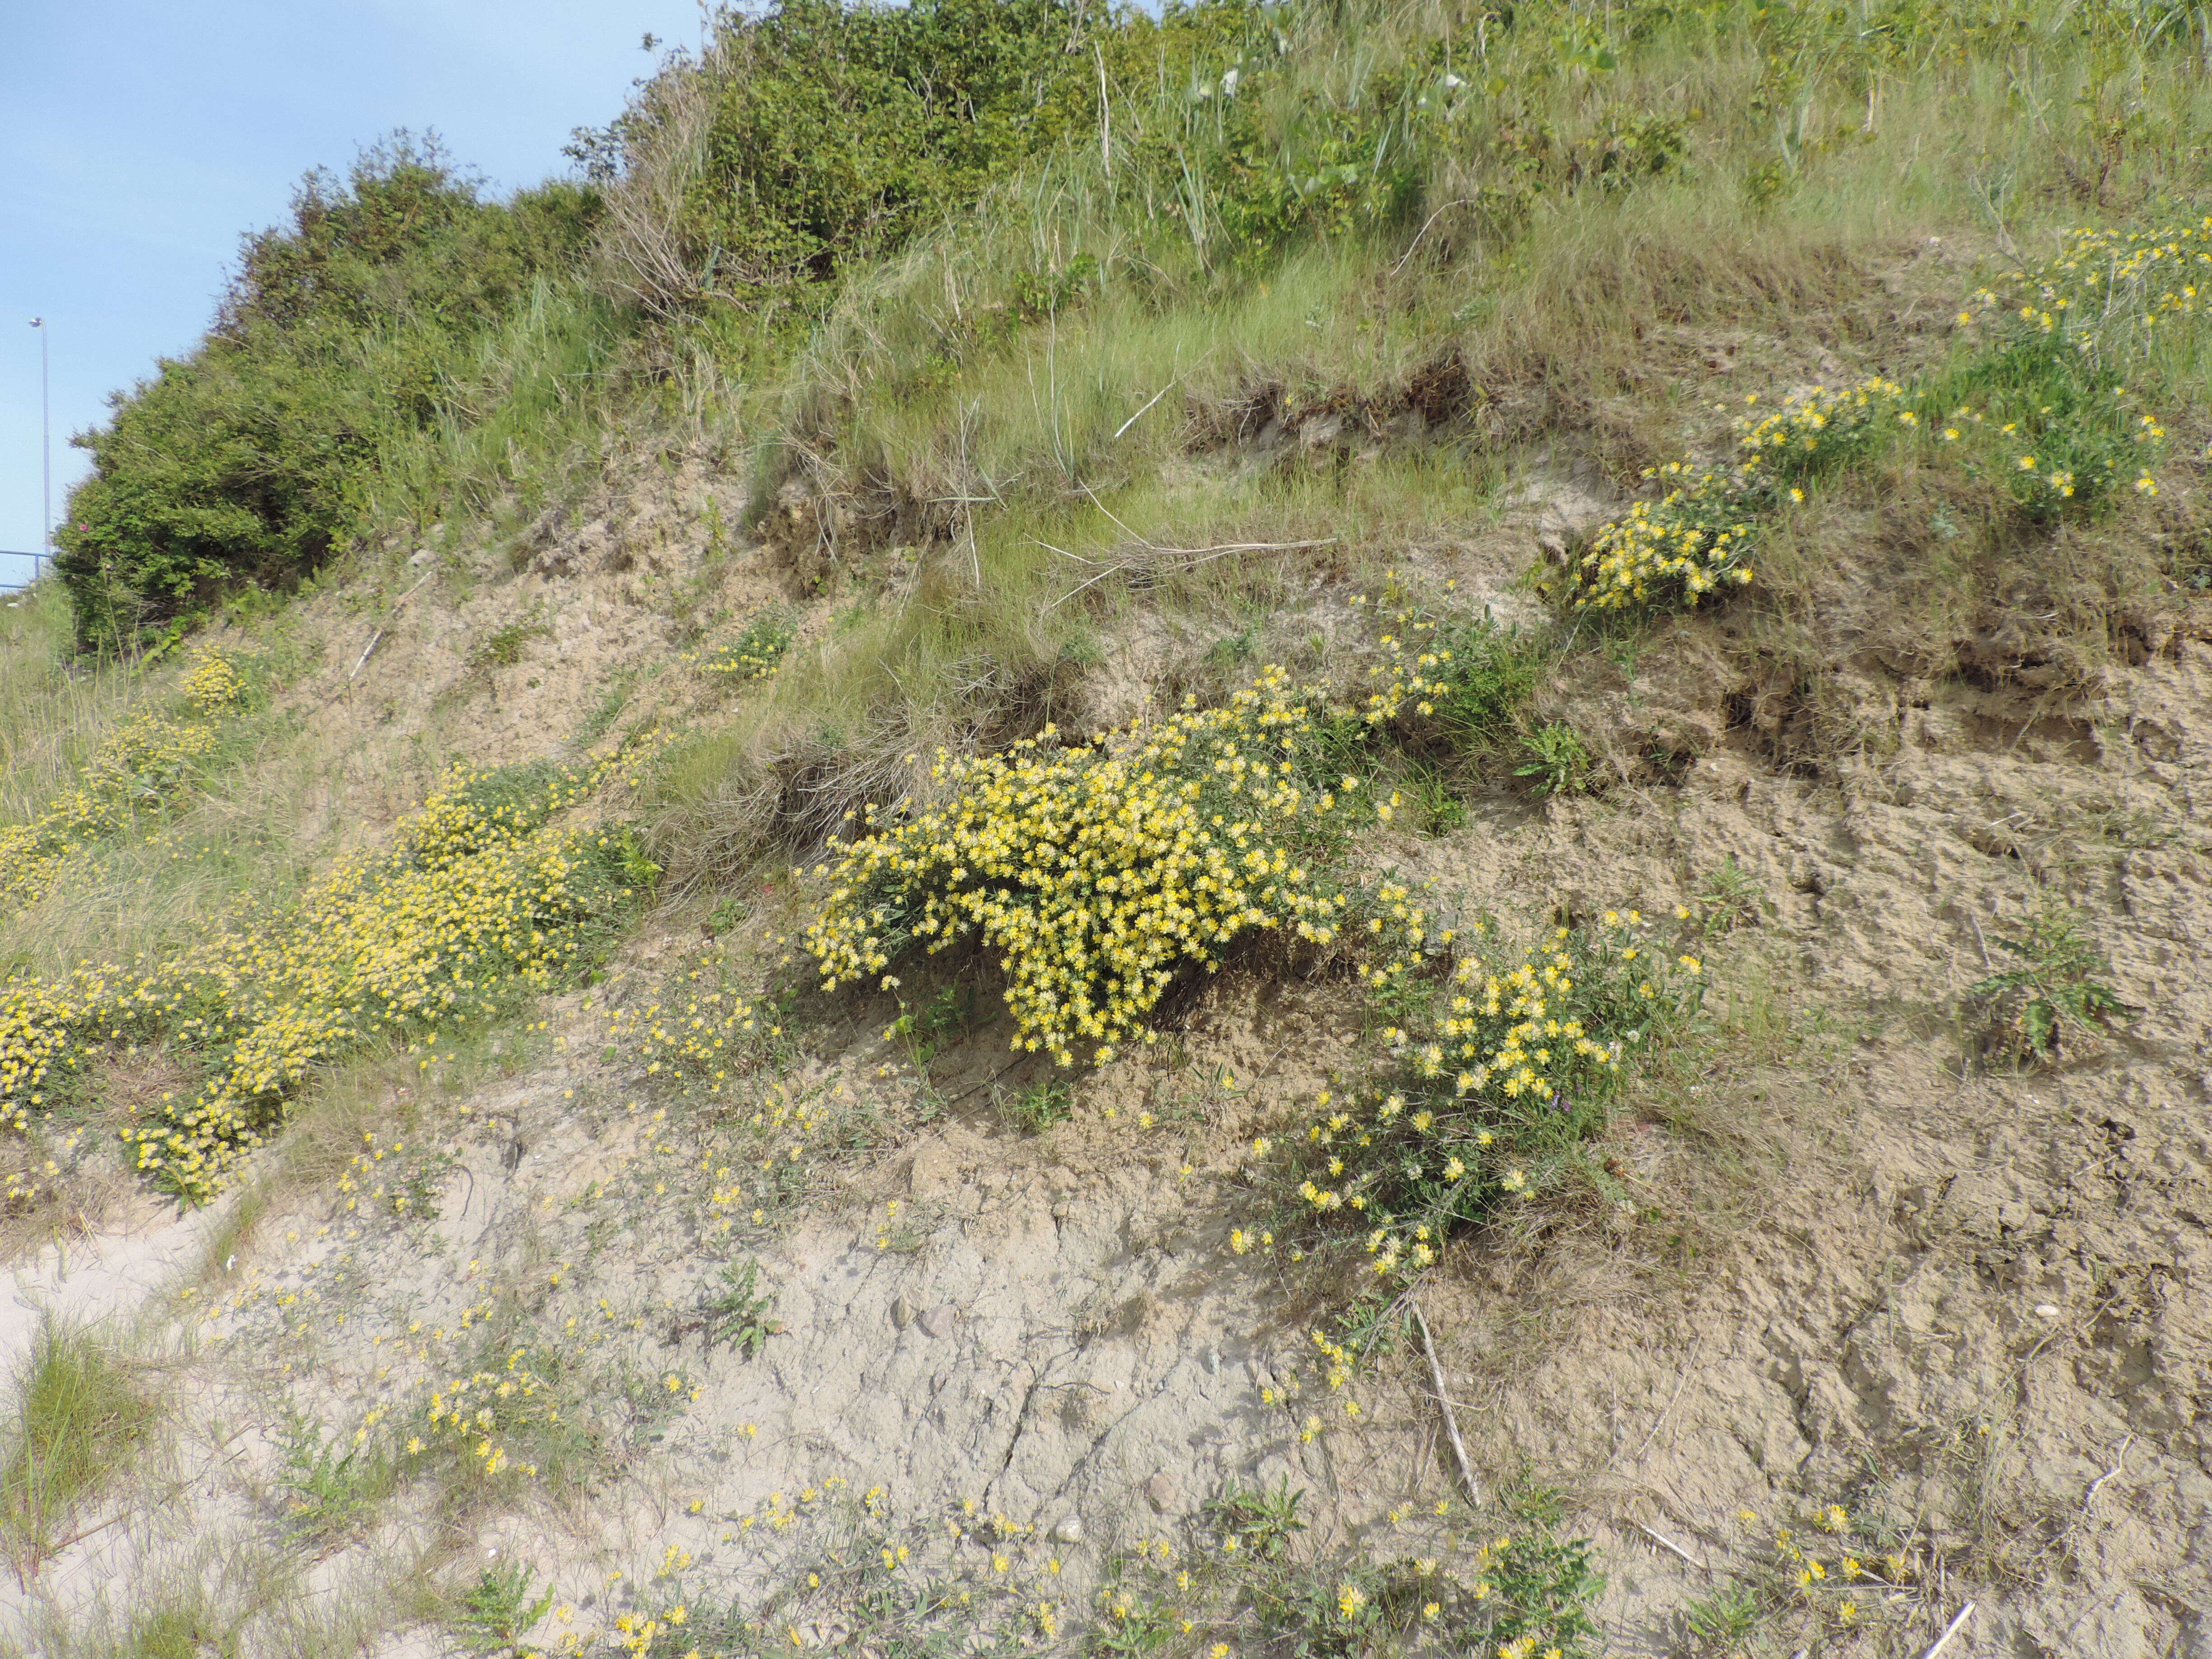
(245, 460)
(2053, 995)
(839, 130)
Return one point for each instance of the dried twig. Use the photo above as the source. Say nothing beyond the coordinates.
(1688, 1365)
(364, 658)
(1670, 1545)
(1153, 560)
(2119, 1463)
(1451, 1423)
(1950, 1630)
(1423, 231)
(1139, 414)
(379, 634)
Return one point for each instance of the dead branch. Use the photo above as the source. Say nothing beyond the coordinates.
(1451, 1423)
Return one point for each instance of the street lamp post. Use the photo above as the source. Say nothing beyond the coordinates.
(46, 461)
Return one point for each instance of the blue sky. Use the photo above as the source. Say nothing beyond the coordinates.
(142, 138)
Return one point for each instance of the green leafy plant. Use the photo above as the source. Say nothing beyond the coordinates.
(493, 1612)
(1559, 761)
(1441, 808)
(739, 1313)
(1729, 899)
(1265, 1522)
(1136, 1616)
(502, 646)
(2053, 994)
(1719, 1622)
(328, 1492)
(930, 1028)
(1039, 1107)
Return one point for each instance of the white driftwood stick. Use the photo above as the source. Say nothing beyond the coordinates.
(1668, 1544)
(364, 658)
(1950, 1630)
(379, 634)
(1443, 1404)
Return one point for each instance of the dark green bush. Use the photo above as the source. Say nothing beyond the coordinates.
(243, 460)
(839, 130)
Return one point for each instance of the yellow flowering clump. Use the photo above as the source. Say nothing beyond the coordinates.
(1527, 1593)
(756, 653)
(213, 683)
(697, 1032)
(482, 895)
(1507, 1060)
(2063, 426)
(1820, 426)
(492, 1421)
(2111, 292)
(1839, 1565)
(1691, 542)
(1696, 537)
(389, 1179)
(1096, 874)
(137, 768)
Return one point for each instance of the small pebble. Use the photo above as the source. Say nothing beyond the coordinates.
(902, 1313)
(940, 1320)
(2047, 1309)
(1070, 1529)
(1160, 1494)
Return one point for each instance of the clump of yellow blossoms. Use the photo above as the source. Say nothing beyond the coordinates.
(803, 1562)
(482, 895)
(2108, 295)
(1096, 874)
(1849, 1570)
(498, 1421)
(756, 653)
(1696, 538)
(1473, 1594)
(1506, 1061)
(141, 767)
(2055, 426)
(2111, 292)
(137, 768)
(213, 684)
(697, 1031)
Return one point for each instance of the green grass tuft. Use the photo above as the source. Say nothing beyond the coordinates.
(82, 1414)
